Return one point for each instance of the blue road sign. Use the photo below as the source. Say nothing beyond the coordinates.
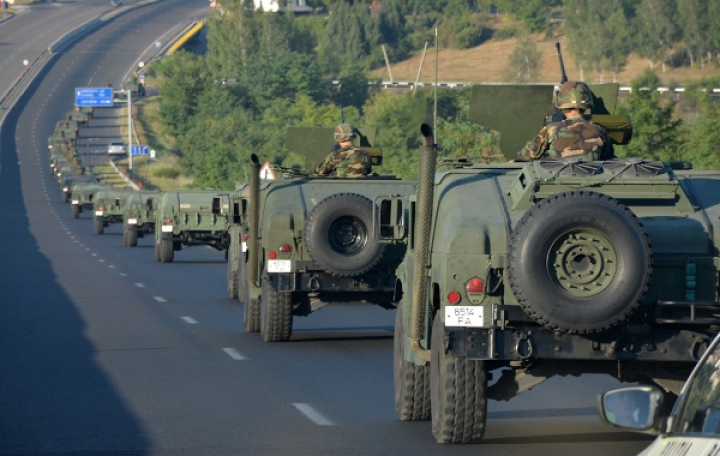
(140, 150)
(94, 96)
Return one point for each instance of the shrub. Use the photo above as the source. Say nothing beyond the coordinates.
(167, 172)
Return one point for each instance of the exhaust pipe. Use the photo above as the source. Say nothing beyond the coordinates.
(253, 241)
(423, 224)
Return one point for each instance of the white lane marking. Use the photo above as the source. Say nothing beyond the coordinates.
(123, 274)
(139, 285)
(313, 414)
(94, 254)
(190, 320)
(111, 266)
(102, 261)
(234, 354)
(160, 299)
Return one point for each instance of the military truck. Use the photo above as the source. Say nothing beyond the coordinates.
(187, 218)
(139, 216)
(83, 197)
(70, 181)
(238, 237)
(518, 272)
(108, 208)
(310, 239)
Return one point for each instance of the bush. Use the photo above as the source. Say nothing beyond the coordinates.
(505, 34)
(167, 172)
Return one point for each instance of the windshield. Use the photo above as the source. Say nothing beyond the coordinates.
(700, 410)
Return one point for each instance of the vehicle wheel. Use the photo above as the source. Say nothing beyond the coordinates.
(132, 237)
(99, 226)
(75, 211)
(458, 393)
(579, 262)
(338, 235)
(232, 278)
(275, 314)
(251, 314)
(157, 250)
(241, 280)
(412, 382)
(65, 197)
(167, 253)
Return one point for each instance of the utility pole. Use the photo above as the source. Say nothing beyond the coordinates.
(129, 143)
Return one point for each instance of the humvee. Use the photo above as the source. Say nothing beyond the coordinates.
(517, 272)
(139, 216)
(238, 237)
(82, 118)
(108, 208)
(83, 197)
(190, 217)
(310, 239)
(70, 181)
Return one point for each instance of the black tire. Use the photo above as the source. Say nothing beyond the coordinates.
(65, 197)
(241, 280)
(579, 262)
(167, 253)
(232, 277)
(458, 393)
(275, 314)
(75, 211)
(99, 226)
(157, 250)
(338, 235)
(132, 237)
(412, 382)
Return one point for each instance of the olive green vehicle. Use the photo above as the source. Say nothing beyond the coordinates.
(517, 272)
(191, 217)
(108, 208)
(83, 197)
(238, 237)
(310, 240)
(69, 182)
(139, 216)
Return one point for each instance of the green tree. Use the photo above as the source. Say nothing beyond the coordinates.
(532, 13)
(695, 22)
(656, 29)
(524, 62)
(185, 77)
(656, 133)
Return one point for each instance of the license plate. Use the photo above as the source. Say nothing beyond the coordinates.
(132, 221)
(167, 228)
(468, 316)
(75, 201)
(244, 246)
(278, 266)
(99, 213)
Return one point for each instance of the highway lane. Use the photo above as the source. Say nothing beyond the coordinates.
(103, 349)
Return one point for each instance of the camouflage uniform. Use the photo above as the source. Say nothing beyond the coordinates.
(573, 137)
(346, 161)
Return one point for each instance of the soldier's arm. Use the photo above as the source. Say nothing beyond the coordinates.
(326, 167)
(534, 149)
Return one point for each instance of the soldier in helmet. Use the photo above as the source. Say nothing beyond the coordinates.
(346, 160)
(573, 137)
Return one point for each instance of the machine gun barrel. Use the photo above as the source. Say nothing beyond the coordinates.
(563, 75)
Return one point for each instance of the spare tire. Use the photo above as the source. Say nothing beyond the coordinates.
(579, 261)
(338, 235)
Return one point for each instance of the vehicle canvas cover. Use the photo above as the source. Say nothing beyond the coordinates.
(316, 143)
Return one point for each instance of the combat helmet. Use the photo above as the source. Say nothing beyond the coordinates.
(344, 132)
(574, 94)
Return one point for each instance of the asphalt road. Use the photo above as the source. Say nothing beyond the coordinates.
(104, 351)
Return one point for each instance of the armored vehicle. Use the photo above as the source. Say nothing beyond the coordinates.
(139, 216)
(83, 197)
(69, 182)
(518, 272)
(190, 217)
(310, 239)
(108, 208)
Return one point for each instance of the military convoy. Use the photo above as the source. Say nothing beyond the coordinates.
(108, 208)
(518, 272)
(139, 216)
(191, 217)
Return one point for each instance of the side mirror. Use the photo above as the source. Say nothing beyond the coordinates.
(633, 407)
(217, 205)
(389, 218)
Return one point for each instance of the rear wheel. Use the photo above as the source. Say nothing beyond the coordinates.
(99, 226)
(412, 382)
(132, 237)
(232, 277)
(458, 393)
(75, 211)
(157, 249)
(275, 314)
(167, 253)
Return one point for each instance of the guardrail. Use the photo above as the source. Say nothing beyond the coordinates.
(459, 85)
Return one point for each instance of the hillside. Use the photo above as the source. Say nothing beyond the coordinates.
(486, 64)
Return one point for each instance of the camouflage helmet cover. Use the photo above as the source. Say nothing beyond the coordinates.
(344, 132)
(574, 94)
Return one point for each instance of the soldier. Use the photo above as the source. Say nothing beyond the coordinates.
(346, 160)
(573, 137)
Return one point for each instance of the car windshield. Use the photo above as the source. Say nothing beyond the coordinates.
(700, 410)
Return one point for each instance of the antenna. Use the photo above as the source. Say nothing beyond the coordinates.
(436, 89)
(342, 114)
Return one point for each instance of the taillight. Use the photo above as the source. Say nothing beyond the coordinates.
(454, 297)
(272, 255)
(285, 248)
(475, 285)
(101, 208)
(245, 238)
